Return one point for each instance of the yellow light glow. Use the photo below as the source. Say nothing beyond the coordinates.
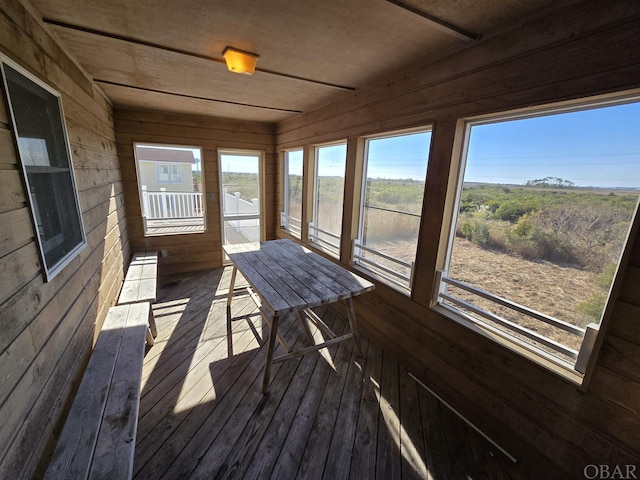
(239, 61)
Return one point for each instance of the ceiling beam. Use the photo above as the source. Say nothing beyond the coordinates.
(166, 48)
(195, 97)
(437, 23)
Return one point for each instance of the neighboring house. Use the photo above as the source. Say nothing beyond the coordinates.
(165, 168)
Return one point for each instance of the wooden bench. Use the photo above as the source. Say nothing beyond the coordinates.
(140, 285)
(99, 435)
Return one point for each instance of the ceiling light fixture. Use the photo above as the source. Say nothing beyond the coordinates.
(239, 61)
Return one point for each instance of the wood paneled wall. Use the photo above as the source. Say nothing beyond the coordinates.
(546, 421)
(47, 329)
(198, 251)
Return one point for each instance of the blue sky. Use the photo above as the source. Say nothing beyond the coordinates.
(332, 160)
(390, 157)
(402, 157)
(239, 163)
(598, 147)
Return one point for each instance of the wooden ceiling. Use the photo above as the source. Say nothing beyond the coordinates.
(168, 55)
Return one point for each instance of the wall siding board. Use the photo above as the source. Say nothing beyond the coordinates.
(12, 193)
(626, 324)
(17, 230)
(23, 458)
(48, 328)
(15, 359)
(18, 268)
(579, 51)
(630, 291)
(617, 389)
(199, 133)
(7, 147)
(18, 46)
(139, 126)
(621, 356)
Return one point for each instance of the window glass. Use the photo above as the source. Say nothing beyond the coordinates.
(171, 189)
(292, 215)
(330, 163)
(394, 177)
(46, 162)
(169, 173)
(543, 216)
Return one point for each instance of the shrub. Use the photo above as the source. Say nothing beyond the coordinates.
(592, 308)
(512, 210)
(497, 236)
(475, 230)
(530, 240)
(605, 279)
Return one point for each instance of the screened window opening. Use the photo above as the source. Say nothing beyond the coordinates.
(241, 201)
(171, 189)
(326, 227)
(394, 174)
(291, 217)
(43, 147)
(543, 214)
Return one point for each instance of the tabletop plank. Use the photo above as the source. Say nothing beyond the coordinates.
(273, 300)
(339, 274)
(314, 279)
(289, 277)
(291, 290)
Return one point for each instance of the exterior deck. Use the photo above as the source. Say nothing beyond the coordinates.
(174, 226)
(330, 414)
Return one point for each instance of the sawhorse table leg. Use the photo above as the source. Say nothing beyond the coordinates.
(270, 349)
(351, 313)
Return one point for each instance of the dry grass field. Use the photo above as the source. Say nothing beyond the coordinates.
(549, 288)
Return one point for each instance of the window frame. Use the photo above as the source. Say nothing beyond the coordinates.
(285, 215)
(379, 272)
(314, 239)
(593, 333)
(49, 271)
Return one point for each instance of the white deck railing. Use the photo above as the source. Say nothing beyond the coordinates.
(241, 219)
(171, 205)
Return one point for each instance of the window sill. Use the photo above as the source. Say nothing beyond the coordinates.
(324, 250)
(529, 352)
(374, 276)
(289, 233)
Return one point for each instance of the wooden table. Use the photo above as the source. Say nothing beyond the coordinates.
(285, 277)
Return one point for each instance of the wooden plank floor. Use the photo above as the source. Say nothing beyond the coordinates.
(331, 414)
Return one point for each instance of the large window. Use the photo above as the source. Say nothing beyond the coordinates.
(39, 128)
(395, 169)
(329, 169)
(171, 189)
(543, 212)
(291, 217)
